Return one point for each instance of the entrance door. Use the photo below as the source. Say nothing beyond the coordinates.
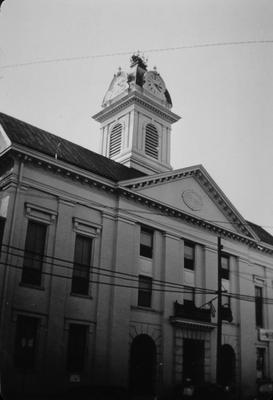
(193, 360)
(227, 370)
(142, 365)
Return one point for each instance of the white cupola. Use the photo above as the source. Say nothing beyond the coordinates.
(136, 119)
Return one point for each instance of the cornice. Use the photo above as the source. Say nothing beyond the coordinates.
(193, 220)
(62, 168)
(190, 324)
(92, 180)
(136, 98)
(213, 191)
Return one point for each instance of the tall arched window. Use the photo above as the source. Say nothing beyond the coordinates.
(151, 141)
(115, 140)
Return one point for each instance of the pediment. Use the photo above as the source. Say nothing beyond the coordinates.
(4, 140)
(192, 191)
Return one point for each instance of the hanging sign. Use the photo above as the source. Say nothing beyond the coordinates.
(266, 334)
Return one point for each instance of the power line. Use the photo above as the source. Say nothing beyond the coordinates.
(163, 286)
(69, 265)
(125, 53)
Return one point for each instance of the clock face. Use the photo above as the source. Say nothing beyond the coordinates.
(154, 83)
(118, 85)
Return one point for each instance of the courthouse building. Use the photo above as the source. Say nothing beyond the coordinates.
(109, 262)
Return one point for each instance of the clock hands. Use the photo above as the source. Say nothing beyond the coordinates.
(158, 86)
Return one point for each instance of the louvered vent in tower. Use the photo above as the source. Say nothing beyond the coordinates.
(151, 141)
(115, 140)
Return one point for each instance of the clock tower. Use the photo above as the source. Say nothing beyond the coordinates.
(136, 119)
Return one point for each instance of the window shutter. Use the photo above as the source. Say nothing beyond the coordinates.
(115, 140)
(151, 141)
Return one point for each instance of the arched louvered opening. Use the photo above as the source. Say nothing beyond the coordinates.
(151, 141)
(115, 140)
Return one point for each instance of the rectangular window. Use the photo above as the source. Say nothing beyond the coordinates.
(225, 267)
(260, 363)
(34, 253)
(25, 342)
(189, 297)
(189, 256)
(194, 361)
(145, 291)
(2, 226)
(146, 243)
(259, 306)
(76, 347)
(81, 268)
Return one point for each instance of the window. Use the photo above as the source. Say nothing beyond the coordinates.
(146, 243)
(145, 291)
(260, 362)
(259, 306)
(189, 297)
(25, 342)
(225, 267)
(2, 226)
(115, 140)
(225, 272)
(34, 253)
(76, 347)
(189, 256)
(151, 141)
(194, 361)
(82, 257)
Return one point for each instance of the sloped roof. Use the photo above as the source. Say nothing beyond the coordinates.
(264, 236)
(27, 135)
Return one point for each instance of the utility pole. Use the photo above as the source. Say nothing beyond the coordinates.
(219, 315)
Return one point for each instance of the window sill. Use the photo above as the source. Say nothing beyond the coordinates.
(82, 296)
(31, 286)
(146, 258)
(149, 309)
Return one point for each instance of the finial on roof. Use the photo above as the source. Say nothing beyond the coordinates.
(57, 149)
(136, 59)
(155, 69)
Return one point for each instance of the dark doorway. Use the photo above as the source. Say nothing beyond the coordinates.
(227, 370)
(193, 360)
(142, 365)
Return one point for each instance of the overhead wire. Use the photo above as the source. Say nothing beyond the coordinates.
(69, 265)
(158, 285)
(145, 51)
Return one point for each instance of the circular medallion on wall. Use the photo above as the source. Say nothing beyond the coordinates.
(192, 200)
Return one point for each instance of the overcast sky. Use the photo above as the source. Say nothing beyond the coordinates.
(222, 91)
